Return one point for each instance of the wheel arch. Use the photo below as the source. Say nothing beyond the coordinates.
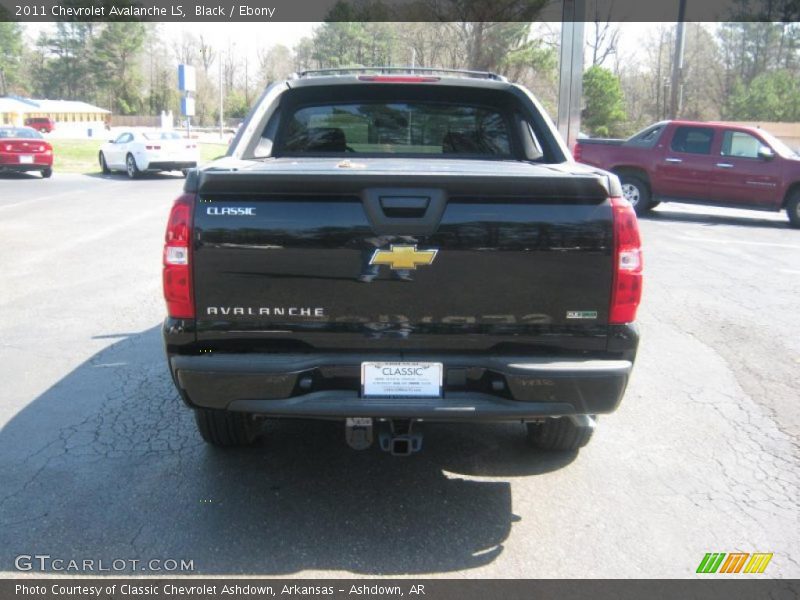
(793, 189)
(635, 171)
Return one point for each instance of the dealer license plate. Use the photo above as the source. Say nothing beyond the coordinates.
(26, 159)
(401, 379)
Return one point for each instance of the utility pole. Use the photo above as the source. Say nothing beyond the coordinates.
(221, 107)
(246, 86)
(677, 64)
(570, 89)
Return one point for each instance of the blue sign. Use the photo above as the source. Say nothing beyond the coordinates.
(187, 82)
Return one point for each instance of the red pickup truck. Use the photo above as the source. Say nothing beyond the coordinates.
(703, 163)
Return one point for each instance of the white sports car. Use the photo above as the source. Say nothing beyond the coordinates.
(136, 152)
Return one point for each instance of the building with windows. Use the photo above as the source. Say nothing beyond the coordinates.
(67, 114)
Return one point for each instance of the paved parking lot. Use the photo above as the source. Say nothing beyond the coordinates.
(99, 460)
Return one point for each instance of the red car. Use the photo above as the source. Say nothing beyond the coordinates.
(41, 124)
(24, 149)
(702, 163)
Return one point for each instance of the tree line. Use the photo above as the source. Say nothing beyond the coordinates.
(732, 71)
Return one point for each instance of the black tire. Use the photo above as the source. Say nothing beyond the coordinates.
(636, 191)
(558, 434)
(47, 173)
(103, 164)
(226, 429)
(793, 209)
(131, 168)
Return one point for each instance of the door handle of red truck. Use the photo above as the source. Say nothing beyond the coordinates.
(674, 160)
(725, 165)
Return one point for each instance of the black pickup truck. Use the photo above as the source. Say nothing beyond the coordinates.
(387, 248)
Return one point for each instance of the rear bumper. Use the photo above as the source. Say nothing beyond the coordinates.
(171, 165)
(293, 385)
(22, 168)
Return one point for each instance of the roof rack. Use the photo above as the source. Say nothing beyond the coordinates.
(395, 70)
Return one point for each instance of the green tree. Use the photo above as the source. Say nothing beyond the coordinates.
(10, 56)
(114, 61)
(161, 80)
(345, 44)
(772, 96)
(604, 112)
(236, 106)
(68, 74)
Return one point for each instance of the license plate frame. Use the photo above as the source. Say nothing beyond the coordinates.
(401, 379)
(26, 159)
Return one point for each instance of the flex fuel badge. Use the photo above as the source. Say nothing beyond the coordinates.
(581, 314)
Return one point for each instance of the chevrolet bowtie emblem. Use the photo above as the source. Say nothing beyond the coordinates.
(403, 257)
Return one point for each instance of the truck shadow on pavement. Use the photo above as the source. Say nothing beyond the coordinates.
(106, 464)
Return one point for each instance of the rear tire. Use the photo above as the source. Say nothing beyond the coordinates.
(558, 434)
(131, 168)
(793, 209)
(104, 165)
(636, 191)
(226, 429)
(47, 173)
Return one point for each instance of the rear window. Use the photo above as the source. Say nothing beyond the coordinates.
(397, 128)
(161, 135)
(646, 138)
(19, 132)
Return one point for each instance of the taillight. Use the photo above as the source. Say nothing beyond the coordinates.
(398, 78)
(627, 288)
(177, 259)
(576, 152)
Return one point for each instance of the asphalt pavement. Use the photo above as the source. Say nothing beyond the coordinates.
(99, 460)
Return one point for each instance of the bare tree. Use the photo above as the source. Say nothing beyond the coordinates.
(604, 36)
(230, 66)
(207, 54)
(274, 63)
(185, 49)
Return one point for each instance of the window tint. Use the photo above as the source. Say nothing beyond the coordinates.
(393, 128)
(693, 140)
(741, 144)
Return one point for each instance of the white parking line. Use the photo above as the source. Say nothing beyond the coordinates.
(741, 242)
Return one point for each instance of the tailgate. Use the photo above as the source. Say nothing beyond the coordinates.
(474, 256)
